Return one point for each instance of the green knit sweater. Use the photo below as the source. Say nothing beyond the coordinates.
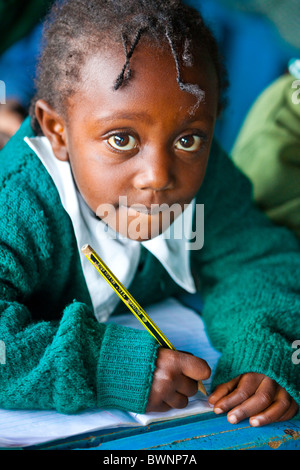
(59, 357)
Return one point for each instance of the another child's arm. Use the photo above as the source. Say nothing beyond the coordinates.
(175, 379)
(270, 138)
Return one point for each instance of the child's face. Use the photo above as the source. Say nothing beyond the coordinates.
(140, 142)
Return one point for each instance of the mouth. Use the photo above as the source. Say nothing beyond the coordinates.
(152, 209)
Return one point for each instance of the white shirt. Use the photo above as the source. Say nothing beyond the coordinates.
(119, 253)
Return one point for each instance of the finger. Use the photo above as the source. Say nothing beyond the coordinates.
(263, 397)
(159, 407)
(245, 388)
(265, 418)
(187, 386)
(290, 413)
(177, 400)
(276, 411)
(194, 367)
(222, 390)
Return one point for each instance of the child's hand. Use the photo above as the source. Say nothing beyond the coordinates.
(253, 396)
(175, 379)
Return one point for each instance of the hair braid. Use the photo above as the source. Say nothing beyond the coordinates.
(76, 28)
(128, 54)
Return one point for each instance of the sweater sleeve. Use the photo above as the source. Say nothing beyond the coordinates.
(267, 150)
(73, 365)
(250, 279)
(57, 356)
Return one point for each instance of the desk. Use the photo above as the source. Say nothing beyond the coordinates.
(201, 432)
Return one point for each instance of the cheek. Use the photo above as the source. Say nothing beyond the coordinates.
(192, 177)
(96, 183)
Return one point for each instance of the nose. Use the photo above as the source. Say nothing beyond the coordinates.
(156, 171)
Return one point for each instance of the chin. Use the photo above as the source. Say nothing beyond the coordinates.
(144, 227)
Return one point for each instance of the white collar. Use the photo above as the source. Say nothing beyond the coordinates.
(120, 254)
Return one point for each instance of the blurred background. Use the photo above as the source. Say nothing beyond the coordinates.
(257, 40)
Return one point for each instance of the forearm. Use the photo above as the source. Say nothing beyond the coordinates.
(75, 364)
(252, 305)
(254, 338)
(249, 276)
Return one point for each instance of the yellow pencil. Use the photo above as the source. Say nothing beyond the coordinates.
(129, 301)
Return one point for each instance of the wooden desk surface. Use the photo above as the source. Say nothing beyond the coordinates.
(201, 432)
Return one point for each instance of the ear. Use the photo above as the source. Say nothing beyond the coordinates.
(54, 128)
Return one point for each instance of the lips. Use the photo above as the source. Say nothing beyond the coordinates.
(149, 210)
(154, 209)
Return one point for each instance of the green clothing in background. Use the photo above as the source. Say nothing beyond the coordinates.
(268, 151)
(284, 15)
(18, 17)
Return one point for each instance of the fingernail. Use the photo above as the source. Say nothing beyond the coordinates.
(218, 411)
(254, 422)
(232, 419)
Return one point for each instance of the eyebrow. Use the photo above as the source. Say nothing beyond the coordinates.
(145, 117)
(125, 116)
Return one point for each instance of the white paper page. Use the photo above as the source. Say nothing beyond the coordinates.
(183, 327)
(20, 428)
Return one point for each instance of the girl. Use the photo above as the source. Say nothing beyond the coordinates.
(121, 130)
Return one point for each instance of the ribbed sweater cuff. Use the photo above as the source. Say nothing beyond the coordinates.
(125, 369)
(271, 355)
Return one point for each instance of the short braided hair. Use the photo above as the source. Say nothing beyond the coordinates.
(75, 28)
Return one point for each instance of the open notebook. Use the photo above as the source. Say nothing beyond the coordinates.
(182, 326)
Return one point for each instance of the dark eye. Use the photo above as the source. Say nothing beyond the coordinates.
(122, 142)
(189, 143)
